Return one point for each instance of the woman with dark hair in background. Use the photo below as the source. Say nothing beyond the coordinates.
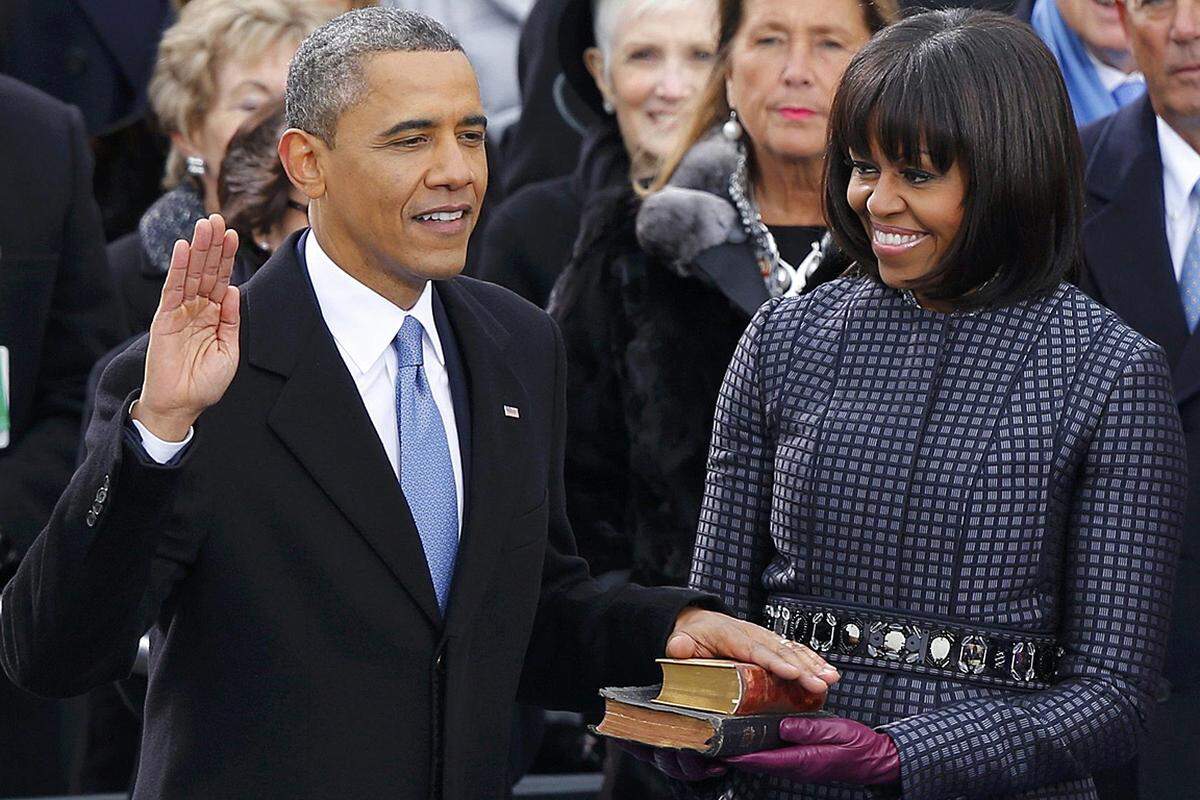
(660, 289)
(257, 198)
(952, 474)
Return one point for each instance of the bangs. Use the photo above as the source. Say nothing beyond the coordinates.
(906, 112)
(978, 92)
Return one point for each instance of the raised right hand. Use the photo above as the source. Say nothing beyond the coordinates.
(193, 350)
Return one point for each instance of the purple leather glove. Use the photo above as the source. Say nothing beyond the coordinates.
(827, 750)
(682, 765)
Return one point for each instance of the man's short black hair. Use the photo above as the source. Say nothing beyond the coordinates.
(978, 89)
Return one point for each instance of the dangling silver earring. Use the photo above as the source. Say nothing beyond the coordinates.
(732, 129)
(196, 166)
(609, 108)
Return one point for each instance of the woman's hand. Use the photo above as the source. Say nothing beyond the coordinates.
(827, 750)
(193, 349)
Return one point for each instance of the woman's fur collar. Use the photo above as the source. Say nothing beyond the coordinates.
(693, 212)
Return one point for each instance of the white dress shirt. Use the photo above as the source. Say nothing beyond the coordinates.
(1181, 171)
(363, 325)
(1111, 77)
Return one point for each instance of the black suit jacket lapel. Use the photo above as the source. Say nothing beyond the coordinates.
(460, 393)
(320, 417)
(497, 442)
(1125, 240)
(1186, 371)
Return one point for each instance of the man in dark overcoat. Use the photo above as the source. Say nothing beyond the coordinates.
(1141, 238)
(57, 316)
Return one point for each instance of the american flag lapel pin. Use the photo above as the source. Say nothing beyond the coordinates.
(512, 411)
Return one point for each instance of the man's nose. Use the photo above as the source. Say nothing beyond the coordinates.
(1184, 25)
(451, 169)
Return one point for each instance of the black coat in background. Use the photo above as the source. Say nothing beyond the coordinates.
(297, 649)
(139, 260)
(651, 308)
(530, 236)
(1129, 269)
(545, 141)
(57, 316)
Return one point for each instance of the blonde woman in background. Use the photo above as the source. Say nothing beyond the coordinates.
(218, 65)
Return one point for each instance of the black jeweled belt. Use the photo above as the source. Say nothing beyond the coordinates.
(867, 637)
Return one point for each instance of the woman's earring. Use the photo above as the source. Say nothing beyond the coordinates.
(732, 129)
(609, 108)
(196, 166)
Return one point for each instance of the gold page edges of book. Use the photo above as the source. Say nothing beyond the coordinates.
(699, 683)
(655, 728)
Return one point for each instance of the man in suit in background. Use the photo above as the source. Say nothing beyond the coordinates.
(1142, 252)
(57, 316)
(335, 497)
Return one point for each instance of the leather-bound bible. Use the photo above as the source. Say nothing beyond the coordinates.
(716, 708)
(731, 687)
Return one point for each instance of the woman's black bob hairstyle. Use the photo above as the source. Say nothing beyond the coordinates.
(978, 89)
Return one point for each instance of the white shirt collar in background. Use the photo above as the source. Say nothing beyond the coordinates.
(1181, 171)
(1111, 77)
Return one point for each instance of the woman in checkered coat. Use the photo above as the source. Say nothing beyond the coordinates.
(953, 474)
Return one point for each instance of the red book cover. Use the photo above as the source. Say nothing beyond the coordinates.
(764, 693)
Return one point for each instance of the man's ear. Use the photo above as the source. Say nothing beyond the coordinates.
(300, 152)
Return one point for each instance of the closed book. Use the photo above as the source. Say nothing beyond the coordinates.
(633, 714)
(731, 687)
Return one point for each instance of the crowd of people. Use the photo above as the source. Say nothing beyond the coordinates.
(867, 350)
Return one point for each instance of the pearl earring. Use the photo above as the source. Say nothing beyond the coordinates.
(609, 108)
(196, 166)
(732, 129)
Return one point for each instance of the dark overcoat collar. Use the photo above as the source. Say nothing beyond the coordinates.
(320, 418)
(1125, 239)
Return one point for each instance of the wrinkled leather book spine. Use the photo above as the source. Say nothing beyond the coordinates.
(737, 736)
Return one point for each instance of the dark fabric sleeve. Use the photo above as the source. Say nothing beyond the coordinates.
(585, 637)
(1122, 545)
(83, 323)
(93, 580)
(505, 261)
(596, 468)
(733, 544)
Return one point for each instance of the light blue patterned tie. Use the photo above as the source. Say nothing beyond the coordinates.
(1127, 92)
(426, 475)
(1189, 278)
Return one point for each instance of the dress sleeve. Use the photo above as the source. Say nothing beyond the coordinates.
(1121, 548)
(733, 543)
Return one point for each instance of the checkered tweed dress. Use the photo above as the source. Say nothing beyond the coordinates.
(1021, 467)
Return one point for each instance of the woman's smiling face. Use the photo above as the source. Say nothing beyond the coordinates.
(911, 212)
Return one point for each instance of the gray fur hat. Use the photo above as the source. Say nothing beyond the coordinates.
(693, 212)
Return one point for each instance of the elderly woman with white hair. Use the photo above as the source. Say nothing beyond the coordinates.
(218, 65)
(639, 64)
